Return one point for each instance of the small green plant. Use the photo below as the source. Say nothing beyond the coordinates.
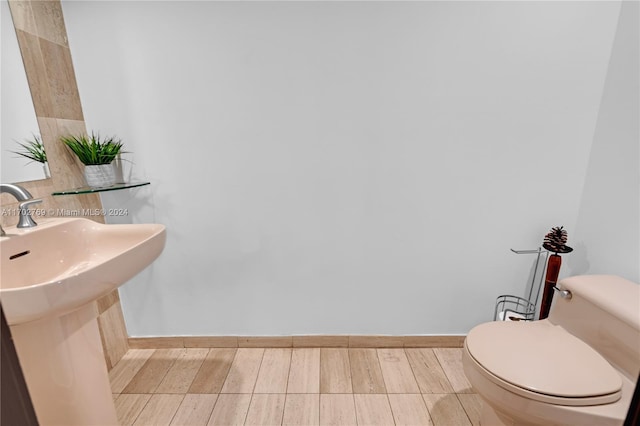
(33, 150)
(91, 150)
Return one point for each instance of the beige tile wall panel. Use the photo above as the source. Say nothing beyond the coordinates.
(22, 16)
(42, 38)
(34, 66)
(105, 302)
(66, 170)
(50, 21)
(65, 99)
(113, 334)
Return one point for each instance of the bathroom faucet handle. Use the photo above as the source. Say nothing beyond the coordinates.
(26, 204)
(26, 221)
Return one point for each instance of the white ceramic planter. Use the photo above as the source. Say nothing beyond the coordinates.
(101, 175)
(119, 170)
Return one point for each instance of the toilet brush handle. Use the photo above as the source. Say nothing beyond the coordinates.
(550, 280)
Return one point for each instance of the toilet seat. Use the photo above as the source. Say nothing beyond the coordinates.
(543, 362)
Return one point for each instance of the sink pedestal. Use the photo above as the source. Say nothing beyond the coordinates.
(64, 368)
(51, 275)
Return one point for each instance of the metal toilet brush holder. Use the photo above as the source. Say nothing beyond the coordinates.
(516, 308)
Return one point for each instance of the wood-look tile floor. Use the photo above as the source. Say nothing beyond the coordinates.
(318, 386)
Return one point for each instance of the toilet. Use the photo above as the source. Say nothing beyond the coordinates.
(577, 367)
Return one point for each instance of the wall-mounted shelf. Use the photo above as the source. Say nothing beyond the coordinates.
(91, 190)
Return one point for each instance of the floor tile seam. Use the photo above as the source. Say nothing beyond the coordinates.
(226, 376)
(286, 386)
(122, 391)
(427, 406)
(164, 375)
(415, 377)
(264, 350)
(393, 416)
(446, 375)
(149, 400)
(212, 408)
(464, 408)
(177, 409)
(142, 409)
(381, 374)
(246, 415)
(375, 351)
(199, 368)
(349, 370)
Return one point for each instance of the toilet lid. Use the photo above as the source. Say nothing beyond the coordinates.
(545, 359)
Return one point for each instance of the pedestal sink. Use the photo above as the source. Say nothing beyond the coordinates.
(50, 276)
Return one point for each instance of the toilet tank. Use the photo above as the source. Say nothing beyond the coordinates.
(604, 312)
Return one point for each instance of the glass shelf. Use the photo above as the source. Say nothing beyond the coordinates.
(90, 190)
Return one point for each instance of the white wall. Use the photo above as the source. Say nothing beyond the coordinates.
(608, 226)
(350, 168)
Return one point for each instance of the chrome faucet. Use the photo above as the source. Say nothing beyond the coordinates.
(21, 194)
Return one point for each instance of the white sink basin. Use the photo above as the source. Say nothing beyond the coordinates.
(63, 264)
(50, 276)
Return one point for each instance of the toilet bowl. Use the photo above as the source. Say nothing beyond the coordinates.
(577, 367)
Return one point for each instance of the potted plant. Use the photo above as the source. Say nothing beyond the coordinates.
(96, 154)
(34, 151)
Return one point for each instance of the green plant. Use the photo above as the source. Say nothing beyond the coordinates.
(91, 150)
(33, 150)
